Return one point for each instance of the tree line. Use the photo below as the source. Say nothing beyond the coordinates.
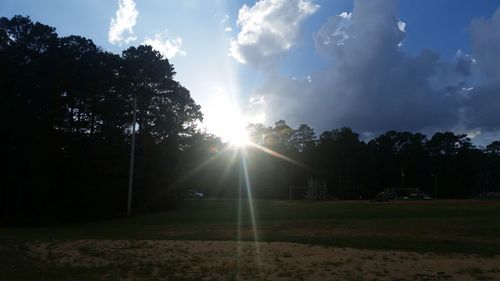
(65, 139)
(445, 164)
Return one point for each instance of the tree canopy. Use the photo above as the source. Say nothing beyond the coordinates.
(67, 107)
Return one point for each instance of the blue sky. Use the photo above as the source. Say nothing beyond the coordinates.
(268, 79)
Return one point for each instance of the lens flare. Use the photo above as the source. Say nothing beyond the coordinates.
(248, 188)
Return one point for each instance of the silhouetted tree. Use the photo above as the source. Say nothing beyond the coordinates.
(493, 148)
(303, 138)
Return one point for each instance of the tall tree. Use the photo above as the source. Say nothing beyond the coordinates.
(283, 133)
(303, 138)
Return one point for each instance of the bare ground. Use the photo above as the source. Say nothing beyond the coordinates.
(229, 260)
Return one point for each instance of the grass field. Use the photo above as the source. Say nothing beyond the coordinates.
(468, 231)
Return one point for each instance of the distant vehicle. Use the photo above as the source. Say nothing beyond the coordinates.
(191, 194)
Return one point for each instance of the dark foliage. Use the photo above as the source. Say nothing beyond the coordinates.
(445, 165)
(67, 111)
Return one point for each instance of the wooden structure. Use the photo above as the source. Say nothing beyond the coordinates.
(314, 190)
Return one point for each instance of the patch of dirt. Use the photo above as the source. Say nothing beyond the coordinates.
(229, 260)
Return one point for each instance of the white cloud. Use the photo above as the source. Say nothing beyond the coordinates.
(269, 29)
(334, 32)
(473, 133)
(256, 100)
(228, 29)
(345, 15)
(402, 26)
(121, 27)
(168, 48)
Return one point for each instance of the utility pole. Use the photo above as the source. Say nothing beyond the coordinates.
(132, 153)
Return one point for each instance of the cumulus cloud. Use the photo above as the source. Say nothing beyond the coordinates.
(269, 29)
(169, 48)
(371, 84)
(482, 106)
(333, 32)
(121, 27)
(485, 35)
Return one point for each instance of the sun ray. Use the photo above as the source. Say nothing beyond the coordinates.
(278, 155)
(239, 226)
(227, 168)
(202, 165)
(251, 209)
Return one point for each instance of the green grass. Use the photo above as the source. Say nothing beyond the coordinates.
(444, 227)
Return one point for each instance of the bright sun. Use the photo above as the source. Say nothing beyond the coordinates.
(238, 137)
(232, 128)
(224, 119)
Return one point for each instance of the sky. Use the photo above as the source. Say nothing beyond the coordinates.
(373, 65)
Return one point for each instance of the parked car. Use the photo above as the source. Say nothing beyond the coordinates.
(191, 194)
